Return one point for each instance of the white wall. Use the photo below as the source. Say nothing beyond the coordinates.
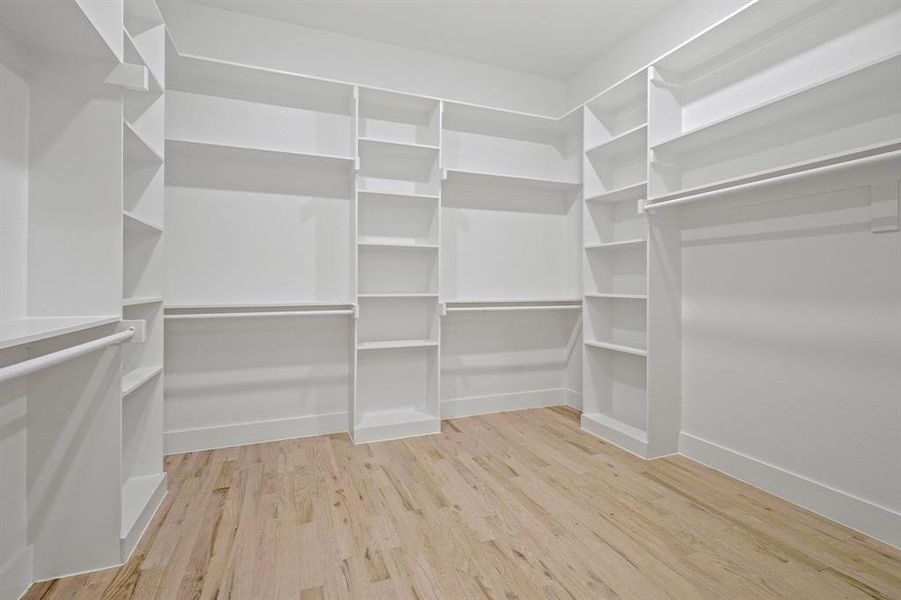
(230, 36)
(671, 28)
(792, 354)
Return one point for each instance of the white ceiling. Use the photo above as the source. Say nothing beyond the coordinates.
(553, 38)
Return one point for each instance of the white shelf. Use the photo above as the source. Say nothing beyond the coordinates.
(27, 330)
(615, 245)
(134, 379)
(622, 434)
(833, 91)
(137, 493)
(374, 424)
(630, 141)
(264, 305)
(617, 296)
(774, 175)
(389, 195)
(137, 149)
(400, 144)
(636, 191)
(139, 224)
(364, 242)
(56, 27)
(501, 179)
(490, 301)
(133, 55)
(313, 162)
(139, 300)
(392, 344)
(398, 296)
(617, 348)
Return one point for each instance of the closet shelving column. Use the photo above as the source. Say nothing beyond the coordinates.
(615, 266)
(143, 479)
(397, 364)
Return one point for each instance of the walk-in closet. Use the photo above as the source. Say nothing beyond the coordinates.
(439, 299)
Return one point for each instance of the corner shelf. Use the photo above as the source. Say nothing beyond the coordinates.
(635, 191)
(501, 179)
(134, 379)
(616, 348)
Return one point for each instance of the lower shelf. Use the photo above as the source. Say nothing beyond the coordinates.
(138, 377)
(383, 425)
(628, 437)
(141, 496)
(616, 347)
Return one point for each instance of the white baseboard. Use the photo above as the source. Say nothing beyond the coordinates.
(242, 434)
(875, 521)
(16, 575)
(573, 399)
(128, 543)
(482, 405)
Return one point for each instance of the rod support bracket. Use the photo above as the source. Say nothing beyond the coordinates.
(139, 327)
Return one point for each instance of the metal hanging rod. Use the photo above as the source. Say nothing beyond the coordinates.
(261, 313)
(509, 308)
(32, 365)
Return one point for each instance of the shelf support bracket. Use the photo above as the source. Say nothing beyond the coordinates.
(442, 309)
(884, 199)
(130, 77)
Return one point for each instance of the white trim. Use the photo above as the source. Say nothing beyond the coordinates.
(243, 434)
(17, 574)
(129, 541)
(876, 521)
(454, 408)
(573, 399)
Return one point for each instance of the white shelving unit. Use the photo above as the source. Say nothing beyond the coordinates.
(398, 233)
(143, 478)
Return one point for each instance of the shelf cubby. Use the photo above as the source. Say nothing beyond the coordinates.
(616, 321)
(615, 381)
(393, 270)
(397, 219)
(387, 319)
(399, 118)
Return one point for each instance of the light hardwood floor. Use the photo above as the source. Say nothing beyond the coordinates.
(514, 505)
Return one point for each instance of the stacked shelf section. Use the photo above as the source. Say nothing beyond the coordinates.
(398, 211)
(615, 263)
(782, 89)
(143, 479)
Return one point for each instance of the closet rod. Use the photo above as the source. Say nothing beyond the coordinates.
(494, 308)
(27, 367)
(282, 313)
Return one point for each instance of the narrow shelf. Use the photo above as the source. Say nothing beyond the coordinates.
(410, 145)
(136, 223)
(133, 55)
(399, 295)
(394, 243)
(388, 345)
(392, 418)
(137, 492)
(138, 300)
(636, 191)
(134, 379)
(18, 332)
(832, 91)
(388, 195)
(849, 159)
(622, 434)
(615, 245)
(627, 142)
(485, 178)
(617, 348)
(617, 296)
(137, 149)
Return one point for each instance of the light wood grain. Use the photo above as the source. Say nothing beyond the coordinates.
(513, 505)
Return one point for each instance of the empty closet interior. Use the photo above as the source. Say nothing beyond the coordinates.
(207, 242)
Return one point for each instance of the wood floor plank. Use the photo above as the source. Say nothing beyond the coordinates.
(516, 505)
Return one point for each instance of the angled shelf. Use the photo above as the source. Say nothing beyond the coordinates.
(135, 378)
(376, 194)
(27, 330)
(135, 56)
(635, 191)
(615, 245)
(139, 300)
(139, 224)
(138, 151)
(616, 347)
(629, 142)
(301, 160)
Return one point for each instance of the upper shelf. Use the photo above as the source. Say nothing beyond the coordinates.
(59, 27)
(189, 148)
(18, 332)
(637, 191)
(834, 91)
(497, 179)
(268, 86)
(631, 142)
(508, 124)
(623, 96)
